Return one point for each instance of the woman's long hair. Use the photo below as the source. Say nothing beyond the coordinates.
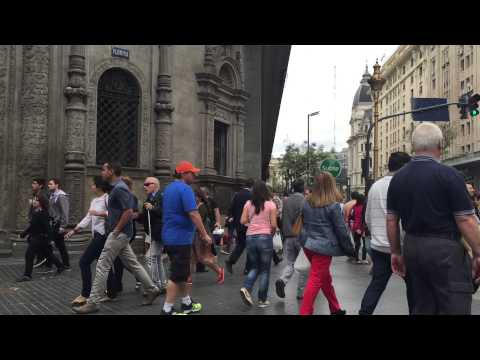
(201, 194)
(325, 191)
(260, 194)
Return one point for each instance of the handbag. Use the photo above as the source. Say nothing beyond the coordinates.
(302, 264)
(297, 226)
(277, 242)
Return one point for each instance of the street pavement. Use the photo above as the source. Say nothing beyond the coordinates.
(51, 295)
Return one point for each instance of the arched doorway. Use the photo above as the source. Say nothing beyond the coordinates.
(118, 118)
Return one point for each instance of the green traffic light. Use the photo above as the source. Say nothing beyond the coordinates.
(474, 112)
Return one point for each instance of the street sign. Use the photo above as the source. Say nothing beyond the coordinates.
(332, 166)
(440, 114)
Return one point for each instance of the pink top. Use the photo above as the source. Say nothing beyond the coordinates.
(259, 224)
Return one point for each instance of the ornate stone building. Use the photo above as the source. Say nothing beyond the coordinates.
(436, 71)
(66, 109)
(359, 122)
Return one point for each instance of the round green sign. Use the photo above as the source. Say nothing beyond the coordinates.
(332, 166)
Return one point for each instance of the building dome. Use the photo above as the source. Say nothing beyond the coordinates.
(363, 94)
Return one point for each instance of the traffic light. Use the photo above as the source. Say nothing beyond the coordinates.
(468, 103)
(463, 105)
(473, 105)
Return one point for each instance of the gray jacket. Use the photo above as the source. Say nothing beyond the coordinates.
(59, 208)
(323, 228)
(292, 208)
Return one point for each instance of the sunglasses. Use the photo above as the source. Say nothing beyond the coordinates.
(147, 184)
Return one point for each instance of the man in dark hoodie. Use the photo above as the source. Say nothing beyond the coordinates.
(59, 211)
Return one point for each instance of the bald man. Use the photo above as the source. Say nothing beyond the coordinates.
(153, 208)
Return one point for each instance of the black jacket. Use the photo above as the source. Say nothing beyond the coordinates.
(238, 202)
(39, 226)
(155, 217)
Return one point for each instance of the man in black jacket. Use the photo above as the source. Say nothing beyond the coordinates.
(235, 213)
(153, 207)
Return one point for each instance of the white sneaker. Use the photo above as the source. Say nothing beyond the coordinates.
(246, 297)
(263, 304)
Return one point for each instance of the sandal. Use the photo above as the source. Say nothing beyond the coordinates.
(79, 301)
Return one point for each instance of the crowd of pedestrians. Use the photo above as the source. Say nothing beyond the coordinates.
(420, 222)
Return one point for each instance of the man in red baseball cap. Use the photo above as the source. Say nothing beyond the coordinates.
(180, 221)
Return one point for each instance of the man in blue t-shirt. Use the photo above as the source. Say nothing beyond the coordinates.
(180, 221)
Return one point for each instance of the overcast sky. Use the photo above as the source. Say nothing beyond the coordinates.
(309, 87)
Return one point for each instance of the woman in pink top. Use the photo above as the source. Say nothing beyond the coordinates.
(260, 215)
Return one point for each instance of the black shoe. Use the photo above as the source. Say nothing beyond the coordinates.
(60, 270)
(339, 312)
(280, 288)
(24, 278)
(229, 266)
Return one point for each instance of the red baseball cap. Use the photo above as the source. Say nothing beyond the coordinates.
(185, 166)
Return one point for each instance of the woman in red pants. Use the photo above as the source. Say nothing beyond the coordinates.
(323, 230)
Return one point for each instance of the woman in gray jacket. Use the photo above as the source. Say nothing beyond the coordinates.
(323, 236)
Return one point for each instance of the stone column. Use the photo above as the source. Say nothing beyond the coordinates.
(76, 117)
(240, 129)
(210, 98)
(163, 120)
(33, 131)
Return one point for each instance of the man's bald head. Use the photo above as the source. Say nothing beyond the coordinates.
(153, 185)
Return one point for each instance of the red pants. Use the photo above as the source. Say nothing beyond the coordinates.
(319, 278)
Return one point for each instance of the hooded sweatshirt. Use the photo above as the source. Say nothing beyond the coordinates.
(59, 208)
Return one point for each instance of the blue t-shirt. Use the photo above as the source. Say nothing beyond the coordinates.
(178, 202)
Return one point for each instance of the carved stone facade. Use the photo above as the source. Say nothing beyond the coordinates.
(49, 111)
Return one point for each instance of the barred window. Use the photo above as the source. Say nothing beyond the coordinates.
(117, 118)
(220, 147)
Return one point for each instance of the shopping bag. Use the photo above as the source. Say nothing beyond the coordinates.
(301, 263)
(277, 242)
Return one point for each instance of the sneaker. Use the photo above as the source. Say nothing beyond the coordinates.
(60, 270)
(358, 262)
(79, 301)
(365, 262)
(138, 285)
(229, 266)
(151, 296)
(246, 297)
(221, 276)
(172, 312)
(280, 288)
(88, 308)
(263, 304)
(194, 307)
(339, 312)
(39, 263)
(67, 268)
(24, 278)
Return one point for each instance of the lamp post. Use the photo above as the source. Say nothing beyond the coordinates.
(376, 83)
(308, 144)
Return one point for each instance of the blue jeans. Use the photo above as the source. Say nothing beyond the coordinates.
(259, 251)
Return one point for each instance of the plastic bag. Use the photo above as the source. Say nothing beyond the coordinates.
(277, 242)
(301, 263)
